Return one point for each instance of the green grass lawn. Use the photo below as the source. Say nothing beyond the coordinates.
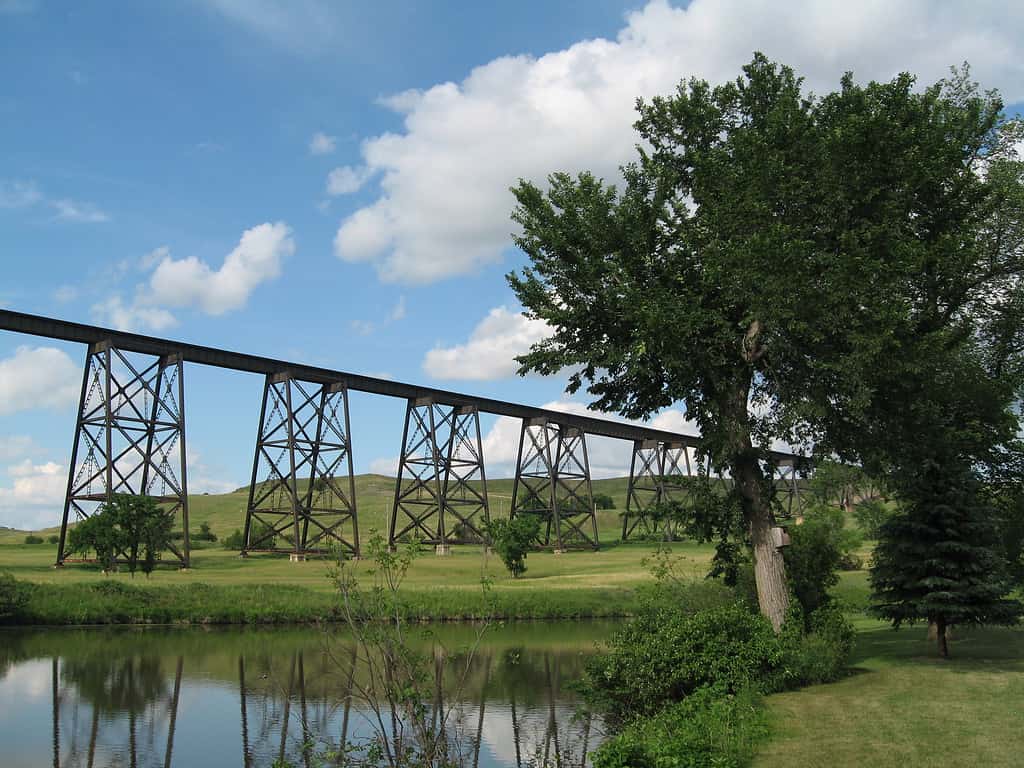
(618, 567)
(902, 706)
(614, 566)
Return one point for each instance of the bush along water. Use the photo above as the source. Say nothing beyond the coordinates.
(683, 680)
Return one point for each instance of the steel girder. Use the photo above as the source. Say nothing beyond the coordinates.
(129, 438)
(441, 488)
(553, 483)
(303, 487)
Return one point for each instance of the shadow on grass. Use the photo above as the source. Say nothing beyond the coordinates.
(971, 648)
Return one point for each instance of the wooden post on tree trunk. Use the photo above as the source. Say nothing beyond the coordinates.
(769, 573)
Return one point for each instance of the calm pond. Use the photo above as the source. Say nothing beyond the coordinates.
(248, 697)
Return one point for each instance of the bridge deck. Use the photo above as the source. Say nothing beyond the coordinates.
(64, 330)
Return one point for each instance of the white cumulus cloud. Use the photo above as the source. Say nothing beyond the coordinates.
(17, 446)
(444, 204)
(35, 497)
(38, 377)
(15, 193)
(134, 316)
(491, 349)
(191, 282)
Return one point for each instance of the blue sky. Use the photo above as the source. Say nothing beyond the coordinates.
(328, 183)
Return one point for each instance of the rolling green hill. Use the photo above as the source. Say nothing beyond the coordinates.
(374, 496)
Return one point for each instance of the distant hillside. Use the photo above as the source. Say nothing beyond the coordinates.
(224, 512)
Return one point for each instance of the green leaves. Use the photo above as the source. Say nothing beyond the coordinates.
(132, 529)
(853, 229)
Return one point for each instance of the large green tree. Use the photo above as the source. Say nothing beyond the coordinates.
(768, 256)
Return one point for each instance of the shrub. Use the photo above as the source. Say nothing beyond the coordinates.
(686, 597)
(53, 538)
(97, 533)
(33, 539)
(819, 547)
(603, 501)
(821, 655)
(512, 539)
(204, 534)
(708, 729)
(261, 535)
(666, 654)
(13, 597)
(850, 561)
(133, 528)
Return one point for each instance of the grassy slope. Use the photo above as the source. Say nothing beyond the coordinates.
(617, 567)
(374, 496)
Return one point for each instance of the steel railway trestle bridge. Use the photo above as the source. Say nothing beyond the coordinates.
(130, 439)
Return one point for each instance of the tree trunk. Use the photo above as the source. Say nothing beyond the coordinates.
(769, 567)
(940, 634)
(939, 631)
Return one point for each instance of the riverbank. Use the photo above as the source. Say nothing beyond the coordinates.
(222, 588)
(116, 602)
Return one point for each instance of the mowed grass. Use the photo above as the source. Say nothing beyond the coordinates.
(614, 566)
(618, 567)
(903, 706)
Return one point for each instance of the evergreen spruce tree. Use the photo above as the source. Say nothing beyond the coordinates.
(938, 561)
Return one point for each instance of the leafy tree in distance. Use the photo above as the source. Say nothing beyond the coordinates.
(97, 533)
(771, 259)
(132, 528)
(512, 540)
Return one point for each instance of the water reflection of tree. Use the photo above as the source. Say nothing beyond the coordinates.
(116, 685)
(132, 687)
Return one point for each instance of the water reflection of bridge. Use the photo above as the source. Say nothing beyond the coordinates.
(512, 710)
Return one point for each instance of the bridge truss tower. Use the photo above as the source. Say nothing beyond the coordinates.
(129, 439)
(553, 483)
(441, 488)
(659, 473)
(302, 496)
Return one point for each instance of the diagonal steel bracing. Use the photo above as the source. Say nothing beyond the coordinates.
(658, 473)
(553, 483)
(441, 488)
(789, 491)
(129, 439)
(302, 494)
